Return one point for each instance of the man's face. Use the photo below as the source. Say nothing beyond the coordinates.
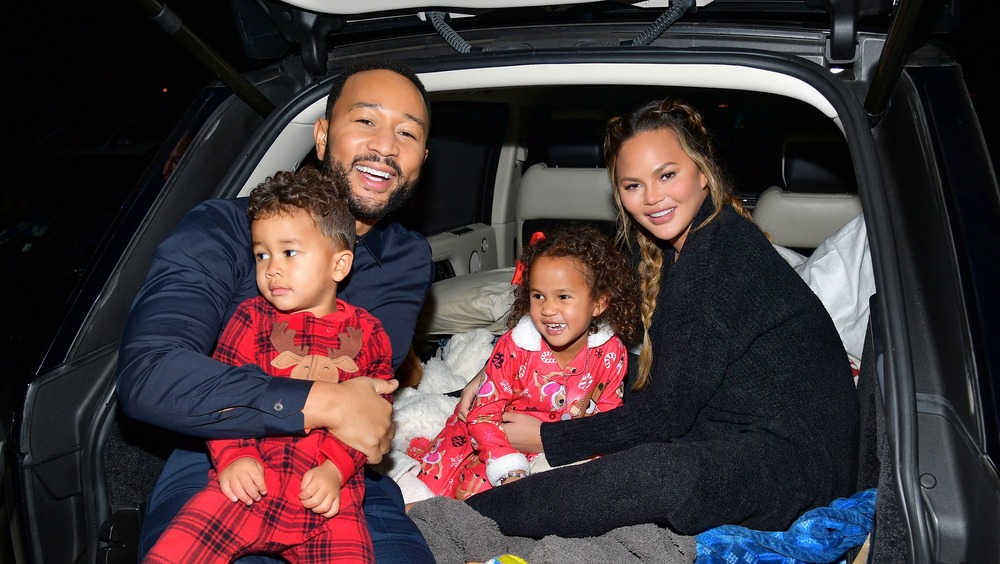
(376, 141)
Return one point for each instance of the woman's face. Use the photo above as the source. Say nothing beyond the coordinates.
(659, 185)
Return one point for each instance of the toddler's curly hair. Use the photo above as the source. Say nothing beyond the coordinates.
(311, 190)
(605, 267)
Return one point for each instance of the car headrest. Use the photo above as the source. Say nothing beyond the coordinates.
(575, 141)
(819, 196)
(549, 196)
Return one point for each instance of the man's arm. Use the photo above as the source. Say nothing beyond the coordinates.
(197, 278)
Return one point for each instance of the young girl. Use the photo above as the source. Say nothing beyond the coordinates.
(562, 359)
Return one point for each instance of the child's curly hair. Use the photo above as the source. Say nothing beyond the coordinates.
(311, 190)
(607, 271)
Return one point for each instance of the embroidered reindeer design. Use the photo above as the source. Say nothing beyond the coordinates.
(315, 366)
(586, 405)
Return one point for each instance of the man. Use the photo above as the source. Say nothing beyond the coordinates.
(374, 136)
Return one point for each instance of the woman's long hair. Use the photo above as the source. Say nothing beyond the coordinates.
(695, 140)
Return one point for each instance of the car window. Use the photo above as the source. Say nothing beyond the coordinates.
(749, 128)
(456, 184)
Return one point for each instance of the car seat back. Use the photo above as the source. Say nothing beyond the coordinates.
(568, 182)
(550, 196)
(819, 196)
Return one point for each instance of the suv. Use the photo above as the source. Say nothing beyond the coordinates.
(836, 105)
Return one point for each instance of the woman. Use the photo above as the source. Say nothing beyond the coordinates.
(743, 410)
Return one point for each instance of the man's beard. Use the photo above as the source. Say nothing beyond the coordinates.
(366, 208)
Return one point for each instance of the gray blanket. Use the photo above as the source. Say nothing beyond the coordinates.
(458, 534)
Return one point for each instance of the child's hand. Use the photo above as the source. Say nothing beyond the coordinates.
(243, 480)
(469, 394)
(321, 489)
(513, 476)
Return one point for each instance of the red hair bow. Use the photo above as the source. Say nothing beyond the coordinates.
(519, 267)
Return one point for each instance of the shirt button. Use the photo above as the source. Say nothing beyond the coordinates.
(278, 406)
(552, 416)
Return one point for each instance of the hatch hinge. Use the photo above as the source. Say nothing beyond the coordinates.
(308, 29)
(844, 18)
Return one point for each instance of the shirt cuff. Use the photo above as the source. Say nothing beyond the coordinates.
(235, 454)
(343, 461)
(281, 406)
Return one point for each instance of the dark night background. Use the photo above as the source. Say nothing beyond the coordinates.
(96, 86)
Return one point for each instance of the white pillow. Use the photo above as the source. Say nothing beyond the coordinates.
(472, 301)
(840, 273)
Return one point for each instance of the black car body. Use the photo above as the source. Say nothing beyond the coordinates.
(509, 87)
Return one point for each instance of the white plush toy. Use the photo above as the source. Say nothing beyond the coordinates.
(461, 359)
(422, 411)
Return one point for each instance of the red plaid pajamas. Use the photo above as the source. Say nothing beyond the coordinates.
(213, 528)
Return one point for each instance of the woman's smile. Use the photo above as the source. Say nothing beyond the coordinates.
(661, 217)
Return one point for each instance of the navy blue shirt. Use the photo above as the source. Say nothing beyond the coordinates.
(198, 276)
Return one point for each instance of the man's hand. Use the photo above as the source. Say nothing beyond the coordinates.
(355, 412)
(243, 480)
(524, 432)
(320, 490)
(469, 394)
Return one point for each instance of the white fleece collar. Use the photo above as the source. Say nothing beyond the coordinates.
(528, 338)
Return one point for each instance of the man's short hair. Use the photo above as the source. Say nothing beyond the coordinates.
(371, 64)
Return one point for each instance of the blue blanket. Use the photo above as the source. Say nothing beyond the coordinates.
(821, 535)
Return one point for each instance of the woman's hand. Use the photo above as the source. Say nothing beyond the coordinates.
(524, 432)
(355, 412)
(469, 394)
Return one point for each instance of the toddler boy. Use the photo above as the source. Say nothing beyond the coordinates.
(298, 497)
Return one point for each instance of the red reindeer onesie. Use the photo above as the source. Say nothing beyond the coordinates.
(521, 375)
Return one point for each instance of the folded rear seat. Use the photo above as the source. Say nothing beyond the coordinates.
(819, 196)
